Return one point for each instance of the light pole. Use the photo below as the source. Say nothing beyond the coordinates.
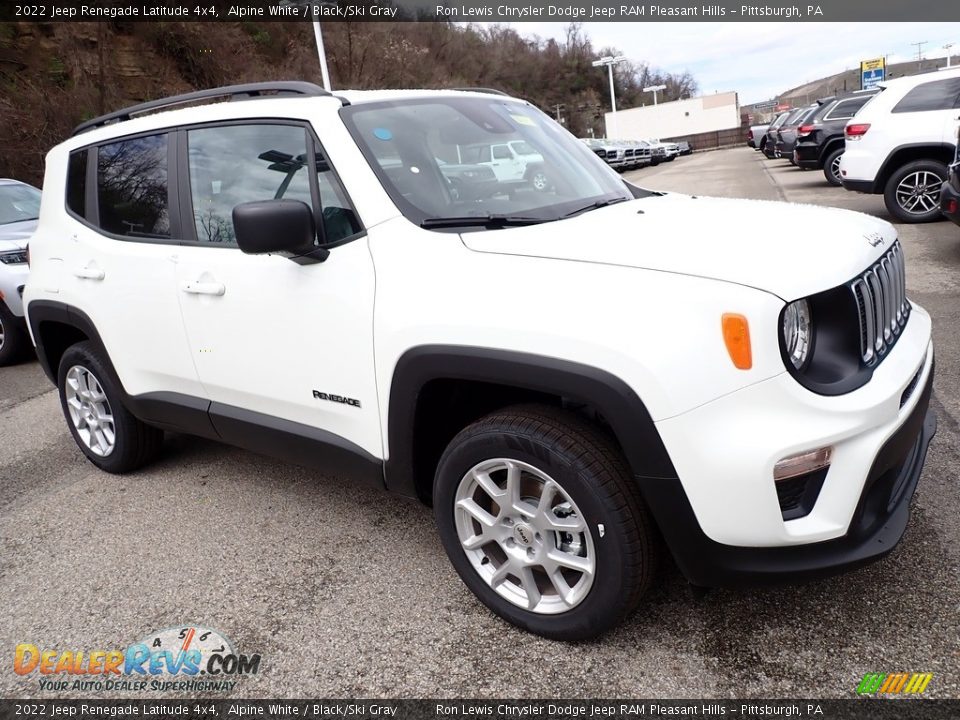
(322, 55)
(654, 89)
(947, 48)
(609, 61)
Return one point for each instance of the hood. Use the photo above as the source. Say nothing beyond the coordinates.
(786, 249)
(14, 236)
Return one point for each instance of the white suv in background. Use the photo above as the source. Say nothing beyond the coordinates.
(901, 143)
(565, 375)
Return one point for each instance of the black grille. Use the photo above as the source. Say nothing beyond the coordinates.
(798, 495)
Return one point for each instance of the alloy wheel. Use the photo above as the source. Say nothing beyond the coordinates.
(540, 181)
(2, 333)
(525, 536)
(90, 411)
(835, 167)
(919, 192)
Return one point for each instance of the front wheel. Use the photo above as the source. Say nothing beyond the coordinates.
(912, 194)
(542, 520)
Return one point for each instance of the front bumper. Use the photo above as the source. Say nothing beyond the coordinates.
(13, 278)
(879, 522)
(723, 519)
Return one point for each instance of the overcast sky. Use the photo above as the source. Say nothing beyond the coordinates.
(760, 60)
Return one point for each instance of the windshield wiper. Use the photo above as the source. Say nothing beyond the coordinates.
(487, 221)
(596, 206)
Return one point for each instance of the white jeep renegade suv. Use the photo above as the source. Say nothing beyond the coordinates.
(566, 375)
(900, 143)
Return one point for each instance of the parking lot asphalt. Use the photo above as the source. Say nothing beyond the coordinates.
(346, 591)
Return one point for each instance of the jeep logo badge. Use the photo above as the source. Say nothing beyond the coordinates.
(874, 238)
(523, 534)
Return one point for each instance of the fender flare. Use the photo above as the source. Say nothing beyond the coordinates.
(889, 167)
(612, 397)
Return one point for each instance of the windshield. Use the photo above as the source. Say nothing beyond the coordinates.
(464, 157)
(18, 203)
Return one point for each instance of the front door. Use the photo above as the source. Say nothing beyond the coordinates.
(278, 345)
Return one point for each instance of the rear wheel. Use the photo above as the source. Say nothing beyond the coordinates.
(831, 167)
(104, 430)
(542, 520)
(912, 194)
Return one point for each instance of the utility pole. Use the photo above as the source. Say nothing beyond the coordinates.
(322, 55)
(919, 45)
(557, 108)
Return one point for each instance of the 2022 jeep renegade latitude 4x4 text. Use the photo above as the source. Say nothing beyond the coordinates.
(566, 374)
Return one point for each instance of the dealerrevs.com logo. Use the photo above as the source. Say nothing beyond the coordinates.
(186, 658)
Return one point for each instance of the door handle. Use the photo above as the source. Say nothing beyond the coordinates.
(195, 287)
(89, 273)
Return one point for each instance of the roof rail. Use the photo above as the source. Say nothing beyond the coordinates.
(247, 90)
(489, 91)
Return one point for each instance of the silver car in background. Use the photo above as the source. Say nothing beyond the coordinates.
(19, 211)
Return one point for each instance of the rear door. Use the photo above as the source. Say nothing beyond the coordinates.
(119, 258)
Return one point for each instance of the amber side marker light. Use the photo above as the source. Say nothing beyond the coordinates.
(736, 335)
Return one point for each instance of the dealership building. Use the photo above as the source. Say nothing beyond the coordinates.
(706, 121)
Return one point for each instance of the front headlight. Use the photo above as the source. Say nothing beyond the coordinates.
(797, 332)
(13, 257)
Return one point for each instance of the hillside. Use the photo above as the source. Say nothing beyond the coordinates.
(55, 75)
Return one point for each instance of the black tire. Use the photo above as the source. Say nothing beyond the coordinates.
(892, 198)
(15, 341)
(595, 476)
(135, 442)
(830, 171)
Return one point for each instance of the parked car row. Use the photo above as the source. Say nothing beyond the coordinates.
(624, 155)
(898, 140)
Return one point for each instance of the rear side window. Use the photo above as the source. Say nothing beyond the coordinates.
(936, 95)
(77, 182)
(132, 187)
(846, 109)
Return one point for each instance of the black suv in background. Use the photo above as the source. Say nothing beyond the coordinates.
(820, 140)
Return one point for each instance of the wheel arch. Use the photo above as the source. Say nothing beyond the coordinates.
(834, 143)
(424, 412)
(900, 156)
(56, 326)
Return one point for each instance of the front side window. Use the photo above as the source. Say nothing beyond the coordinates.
(440, 161)
(18, 203)
(936, 95)
(132, 187)
(235, 164)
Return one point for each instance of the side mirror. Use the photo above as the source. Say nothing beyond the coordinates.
(280, 227)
